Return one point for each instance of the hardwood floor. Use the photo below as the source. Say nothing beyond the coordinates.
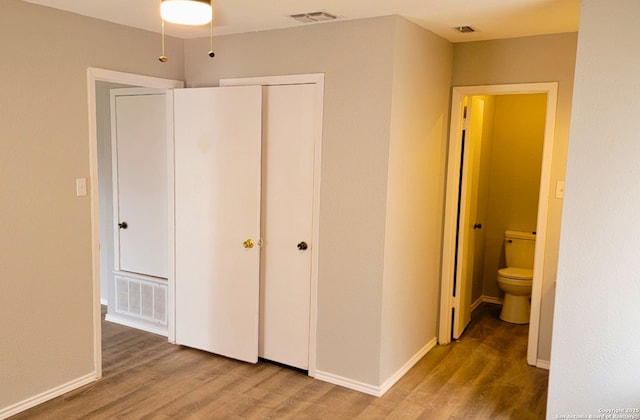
(483, 376)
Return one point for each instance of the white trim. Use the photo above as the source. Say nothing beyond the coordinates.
(95, 75)
(380, 390)
(407, 366)
(376, 391)
(491, 299)
(47, 395)
(486, 299)
(477, 303)
(318, 80)
(171, 267)
(122, 320)
(541, 228)
(543, 364)
(448, 250)
(292, 79)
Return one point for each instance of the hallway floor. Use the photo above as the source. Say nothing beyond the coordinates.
(482, 376)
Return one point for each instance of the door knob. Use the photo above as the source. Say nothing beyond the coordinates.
(302, 246)
(248, 243)
(123, 225)
(477, 226)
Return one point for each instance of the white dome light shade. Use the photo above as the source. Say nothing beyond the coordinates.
(186, 12)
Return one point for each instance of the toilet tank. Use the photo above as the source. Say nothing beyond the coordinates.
(519, 248)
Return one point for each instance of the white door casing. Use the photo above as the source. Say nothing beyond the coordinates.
(287, 208)
(95, 75)
(217, 209)
(139, 152)
(451, 202)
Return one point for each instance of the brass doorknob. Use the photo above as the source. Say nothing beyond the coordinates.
(248, 243)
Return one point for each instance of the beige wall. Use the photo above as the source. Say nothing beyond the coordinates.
(415, 191)
(45, 257)
(46, 306)
(368, 98)
(545, 58)
(595, 359)
(355, 153)
(514, 183)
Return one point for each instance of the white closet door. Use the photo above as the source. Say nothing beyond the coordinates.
(288, 160)
(140, 182)
(217, 215)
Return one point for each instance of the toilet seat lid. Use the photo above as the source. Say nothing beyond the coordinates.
(516, 273)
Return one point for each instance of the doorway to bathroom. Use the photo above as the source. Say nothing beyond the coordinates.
(498, 179)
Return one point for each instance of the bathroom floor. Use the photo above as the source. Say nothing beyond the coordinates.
(483, 375)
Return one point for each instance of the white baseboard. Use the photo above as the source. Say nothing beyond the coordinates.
(486, 299)
(407, 366)
(543, 364)
(135, 324)
(47, 395)
(477, 303)
(348, 383)
(491, 299)
(380, 390)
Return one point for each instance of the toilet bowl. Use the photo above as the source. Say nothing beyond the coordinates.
(516, 278)
(516, 285)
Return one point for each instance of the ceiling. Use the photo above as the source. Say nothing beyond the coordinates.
(492, 19)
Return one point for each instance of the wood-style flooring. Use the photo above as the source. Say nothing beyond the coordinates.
(482, 376)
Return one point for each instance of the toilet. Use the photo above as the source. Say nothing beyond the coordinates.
(516, 278)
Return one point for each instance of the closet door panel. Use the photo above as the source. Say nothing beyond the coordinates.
(288, 146)
(217, 219)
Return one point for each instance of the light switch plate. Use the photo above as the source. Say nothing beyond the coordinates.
(81, 187)
(560, 189)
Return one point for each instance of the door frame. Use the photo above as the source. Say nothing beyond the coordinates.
(318, 80)
(102, 75)
(451, 203)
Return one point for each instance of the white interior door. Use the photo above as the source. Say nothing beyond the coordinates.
(467, 220)
(140, 181)
(287, 196)
(217, 219)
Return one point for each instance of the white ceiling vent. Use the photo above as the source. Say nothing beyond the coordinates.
(464, 29)
(313, 17)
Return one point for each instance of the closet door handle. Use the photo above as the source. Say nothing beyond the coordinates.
(477, 226)
(302, 246)
(123, 225)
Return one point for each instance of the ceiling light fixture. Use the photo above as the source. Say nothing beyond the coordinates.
(186, 12)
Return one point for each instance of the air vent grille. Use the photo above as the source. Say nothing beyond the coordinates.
(464, 29)
(313, 17)
(141, 299)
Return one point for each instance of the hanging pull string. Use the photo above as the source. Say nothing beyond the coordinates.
(211, 53)
(163, 58)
